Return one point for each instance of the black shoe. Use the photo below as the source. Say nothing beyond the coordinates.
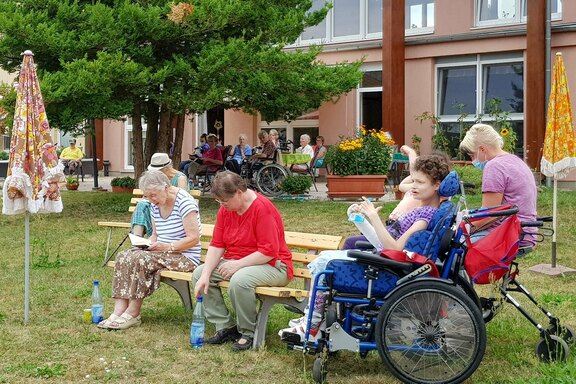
(224, 335)
(237, 347)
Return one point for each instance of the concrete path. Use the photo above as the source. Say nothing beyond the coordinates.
(104, 182)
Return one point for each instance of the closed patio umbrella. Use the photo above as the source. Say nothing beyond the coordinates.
(31, 185)
(559, 150)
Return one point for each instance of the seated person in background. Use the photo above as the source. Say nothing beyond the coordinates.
(306, 149)
(209, 161)
(240, 152)
(407, 203)
(427, 174)
(71, 157)
(249, 250)
(140, 223)
(268, 150)
(506, 179)
(198, 151)
(274, 137)
(175, 246)
(319, 151)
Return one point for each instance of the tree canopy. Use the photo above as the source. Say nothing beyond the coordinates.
(158, 59)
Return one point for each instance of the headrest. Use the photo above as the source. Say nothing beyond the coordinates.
(450, 185)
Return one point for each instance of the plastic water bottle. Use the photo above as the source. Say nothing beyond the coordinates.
(198, 325)
(97, 304)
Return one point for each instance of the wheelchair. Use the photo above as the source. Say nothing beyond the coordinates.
(265, 175)
(409, 306)
(502, 272)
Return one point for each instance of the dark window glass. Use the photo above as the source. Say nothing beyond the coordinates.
(372, 79)
(457, 86)
(371, 113)
(506, 83)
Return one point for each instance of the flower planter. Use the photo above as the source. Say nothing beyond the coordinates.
(398, 195)
(72, 187)
(122, 189)
(356, 186)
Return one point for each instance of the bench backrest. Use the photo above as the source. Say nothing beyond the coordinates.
(138, 194)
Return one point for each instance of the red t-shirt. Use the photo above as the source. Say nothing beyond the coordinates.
(260, 229)
(214, 154)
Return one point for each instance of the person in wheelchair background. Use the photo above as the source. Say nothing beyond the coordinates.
(254, 162)
(209, 161)
(239, 153)
(71, 157)
(506, 179)
(306, 149)
(427, 174)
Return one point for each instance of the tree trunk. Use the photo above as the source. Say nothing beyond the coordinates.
(153, 114)
(178, 139)
(164, 131)
(137, 142)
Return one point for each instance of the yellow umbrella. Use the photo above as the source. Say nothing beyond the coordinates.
(559, 151)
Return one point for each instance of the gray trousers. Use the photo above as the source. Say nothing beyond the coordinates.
(242, 292)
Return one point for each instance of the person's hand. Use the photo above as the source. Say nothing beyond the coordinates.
(406, 150)
(159, 247)
(201, 287)
(228, 268)
(367, 208)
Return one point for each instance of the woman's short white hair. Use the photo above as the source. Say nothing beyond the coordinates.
(153, 180)
(306, 137)
(481, 134)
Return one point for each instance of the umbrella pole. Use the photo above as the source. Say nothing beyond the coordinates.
(26, 265)
(554, 215)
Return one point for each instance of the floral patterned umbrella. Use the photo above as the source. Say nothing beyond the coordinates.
(559, 151)
(31, 184)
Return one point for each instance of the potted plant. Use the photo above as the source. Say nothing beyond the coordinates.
(123, 184)
(296, 185)
(72, 183)
(358, 165)
(398, 194)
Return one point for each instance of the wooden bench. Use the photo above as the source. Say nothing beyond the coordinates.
(304, 246)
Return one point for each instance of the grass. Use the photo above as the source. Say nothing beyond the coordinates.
(66, 253)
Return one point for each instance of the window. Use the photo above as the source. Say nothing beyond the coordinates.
(346, 14)
(6, 139)
(419, 15)
(316, 32)
(370, 99)
(471, 88)
(498, 12)
(356, 20)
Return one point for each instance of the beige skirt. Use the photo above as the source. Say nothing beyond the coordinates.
(137, 272)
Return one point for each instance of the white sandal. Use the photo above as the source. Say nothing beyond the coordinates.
(105, 324)
(125, 321)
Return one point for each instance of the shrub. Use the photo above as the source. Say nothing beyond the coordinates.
(71, 180)
(126, 182)
(296, 184)
(4, 155)
(470, 174)
(367, 154)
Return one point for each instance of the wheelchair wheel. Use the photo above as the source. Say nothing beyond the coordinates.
(430, 332)
(319, 370)
(269, 178)
(552, 348)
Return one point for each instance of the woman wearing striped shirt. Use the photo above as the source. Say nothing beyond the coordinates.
(175, 238)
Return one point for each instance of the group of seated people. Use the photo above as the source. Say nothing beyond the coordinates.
(244, 159)
(248, 246)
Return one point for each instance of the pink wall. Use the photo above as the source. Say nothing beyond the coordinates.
(338, 118)
(419, 99)
(237, 122)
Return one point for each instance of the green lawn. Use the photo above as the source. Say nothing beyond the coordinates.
(66, 253)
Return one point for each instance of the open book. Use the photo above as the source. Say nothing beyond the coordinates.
(139, 242)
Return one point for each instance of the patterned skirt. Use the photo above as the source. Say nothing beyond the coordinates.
(137, 272)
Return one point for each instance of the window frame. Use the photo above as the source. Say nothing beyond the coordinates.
(368, 67)
(520, 18)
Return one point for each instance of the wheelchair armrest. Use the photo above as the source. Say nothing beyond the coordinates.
(363, 245)
(368, 258)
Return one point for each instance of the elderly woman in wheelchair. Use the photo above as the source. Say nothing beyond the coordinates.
(400, 301)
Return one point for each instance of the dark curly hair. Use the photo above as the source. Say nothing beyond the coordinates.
(435, 165)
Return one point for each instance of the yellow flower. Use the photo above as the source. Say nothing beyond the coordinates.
(504, 132)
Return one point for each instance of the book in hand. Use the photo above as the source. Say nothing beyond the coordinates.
(139, 242)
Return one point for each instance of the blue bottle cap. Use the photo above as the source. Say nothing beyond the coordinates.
(199, 299)
(96, 282)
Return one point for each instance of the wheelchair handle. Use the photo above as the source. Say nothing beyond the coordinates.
(482, 214)
(532, 224)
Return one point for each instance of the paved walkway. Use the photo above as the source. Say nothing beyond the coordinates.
(104, 182)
